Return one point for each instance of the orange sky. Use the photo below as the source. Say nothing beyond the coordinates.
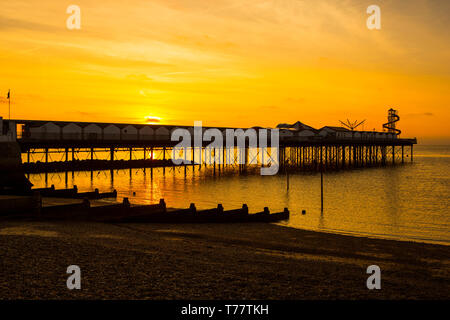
(229, 62)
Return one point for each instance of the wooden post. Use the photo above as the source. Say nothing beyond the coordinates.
(287, 177)
(321, 189)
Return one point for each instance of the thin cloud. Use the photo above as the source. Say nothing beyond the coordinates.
(416, 115)
(11, 24)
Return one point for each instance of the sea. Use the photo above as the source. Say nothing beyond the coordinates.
(408, 202)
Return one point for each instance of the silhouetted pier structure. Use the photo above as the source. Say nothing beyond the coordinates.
(96, 146)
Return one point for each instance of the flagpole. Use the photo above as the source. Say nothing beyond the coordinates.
(9, 104)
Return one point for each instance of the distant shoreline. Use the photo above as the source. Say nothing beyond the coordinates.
(379, 237)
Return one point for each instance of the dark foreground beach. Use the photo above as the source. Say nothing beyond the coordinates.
(212, 261)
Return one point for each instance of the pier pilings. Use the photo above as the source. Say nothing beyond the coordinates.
(293, 155)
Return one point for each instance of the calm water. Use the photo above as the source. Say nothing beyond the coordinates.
(407, 202)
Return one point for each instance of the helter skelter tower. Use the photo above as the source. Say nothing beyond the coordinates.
(393, 118)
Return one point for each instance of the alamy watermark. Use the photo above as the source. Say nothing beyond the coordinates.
(235, 142)
(374, 20)
(73, 22)
(74, 280)
(374, 281)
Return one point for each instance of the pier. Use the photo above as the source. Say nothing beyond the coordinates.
(49, 146)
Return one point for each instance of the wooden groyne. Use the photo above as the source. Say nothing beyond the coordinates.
(74, 194)
(71, 193)
(154, 213)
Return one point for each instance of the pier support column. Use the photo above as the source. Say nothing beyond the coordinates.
(349, 156)
(366, 155)
(262, 156)
(212, 154)
(111, 154)
(393, 154)
(246, 158)
(224, 157)
(403, 154)
(303, 157)
(375, 155)
(372, 155)
(185, 161)
(321, 158)
(336, 155)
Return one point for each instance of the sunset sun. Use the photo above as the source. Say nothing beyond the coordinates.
(152, 120)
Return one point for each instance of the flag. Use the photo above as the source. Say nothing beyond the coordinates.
(9, 91)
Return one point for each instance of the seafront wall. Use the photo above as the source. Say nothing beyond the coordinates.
(12, 176)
